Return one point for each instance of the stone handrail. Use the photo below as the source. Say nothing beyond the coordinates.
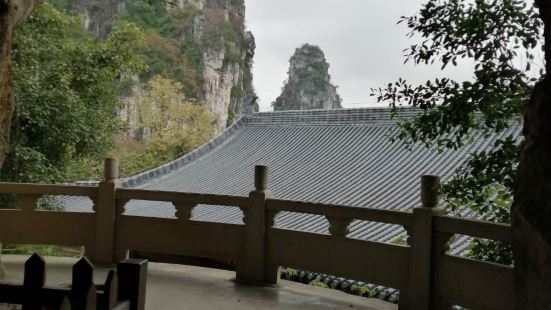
(47, 189)
(428, 277)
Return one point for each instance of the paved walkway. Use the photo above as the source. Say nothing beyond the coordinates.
(187, 287)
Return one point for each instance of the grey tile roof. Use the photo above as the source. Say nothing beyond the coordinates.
(333, 156)
(336, 156)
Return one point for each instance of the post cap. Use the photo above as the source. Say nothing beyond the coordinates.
(111, 169)
(260, 177)
(430, 191)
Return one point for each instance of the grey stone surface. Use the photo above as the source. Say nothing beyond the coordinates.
(186, 287)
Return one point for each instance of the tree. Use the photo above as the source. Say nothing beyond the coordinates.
(65, 93)
(501, 38)
(12, 12)
(531, 212)
(494, 35)
(173, 125)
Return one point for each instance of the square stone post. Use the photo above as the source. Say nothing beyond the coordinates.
(250, 269)
(105, 208)
(419, 293)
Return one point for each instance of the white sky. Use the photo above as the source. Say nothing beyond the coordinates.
(360, 39)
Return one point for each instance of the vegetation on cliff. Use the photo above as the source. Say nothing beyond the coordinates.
(177, 44)
(65, 93)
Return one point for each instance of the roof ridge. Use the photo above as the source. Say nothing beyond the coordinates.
(363, 116)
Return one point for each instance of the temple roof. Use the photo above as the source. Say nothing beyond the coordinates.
(340, 157)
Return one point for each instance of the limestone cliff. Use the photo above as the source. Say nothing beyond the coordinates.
(200, 43)
(309, 83)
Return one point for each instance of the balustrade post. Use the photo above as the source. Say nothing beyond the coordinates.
(105, 208)
(251, 267)
(419, 291)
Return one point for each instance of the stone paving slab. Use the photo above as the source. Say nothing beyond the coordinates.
(188, 287)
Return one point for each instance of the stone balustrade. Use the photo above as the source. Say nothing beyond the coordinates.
(428, 277)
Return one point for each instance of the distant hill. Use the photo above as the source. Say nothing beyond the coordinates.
(309, 83)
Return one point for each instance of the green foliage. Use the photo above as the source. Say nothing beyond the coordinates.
(289, 273)
(176, 127)
(401, 240)
(172, 47)
(49, 203)
(318, 284)
(151, 16)
(233, 55)
(493, 251)
(65, 93)
(29, 249)
(361, 290)
(501, 38)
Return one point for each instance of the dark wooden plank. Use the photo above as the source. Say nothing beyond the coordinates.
(11, 293)
(35, 272)
(82, 283)
(33, 281)
(132, 282)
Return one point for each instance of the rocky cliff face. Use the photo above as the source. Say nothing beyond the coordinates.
(226, 64)
(309, 83)
(215, 51)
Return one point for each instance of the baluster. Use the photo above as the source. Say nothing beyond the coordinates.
(338, 227)
(120, 208)
(270, 218)
(28, 203)
(184, 210)
(94, 203)
(441, 242)
(244, 211)
(409, 239)
(33, 281)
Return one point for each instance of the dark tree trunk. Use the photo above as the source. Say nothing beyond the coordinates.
(6, 80)
(11, 13)
(531, 212)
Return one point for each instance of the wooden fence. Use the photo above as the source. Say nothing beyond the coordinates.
(123, 289)
(428, 277)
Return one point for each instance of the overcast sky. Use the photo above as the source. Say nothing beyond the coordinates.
(360, 39)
